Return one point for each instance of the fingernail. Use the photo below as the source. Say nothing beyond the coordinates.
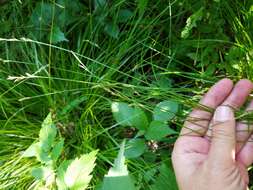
(223, 113)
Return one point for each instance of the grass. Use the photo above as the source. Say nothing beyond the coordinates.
(144, 62)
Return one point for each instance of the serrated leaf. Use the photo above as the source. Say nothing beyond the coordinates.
(112, 29)
(60, 174)
(77, 176)
(165, 110)
(57, 149)
(128, 116)
(158, 130)
(57, 35)
(47, 133)
(31, 150)
(42, 155)
(124, 15)
(44, 173)
(135, 148)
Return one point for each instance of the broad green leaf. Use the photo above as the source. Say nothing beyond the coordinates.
(31, 150)
(112, 29)
(124, 15)
(139, 119)
(77, 176)
(191, 22)
(44, 173)
(135, 148)
(60, 174)
(42, 155)
(57, 149)
(165, 110)
(42, 15)
(158, 130)
(166, 178)
(128, 116)
(122, 113)
(57, 35)
(47, 133)
(119, 183)
(117, 177)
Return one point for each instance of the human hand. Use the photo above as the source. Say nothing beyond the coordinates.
(214, 151)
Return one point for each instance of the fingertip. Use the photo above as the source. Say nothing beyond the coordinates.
(246, 83)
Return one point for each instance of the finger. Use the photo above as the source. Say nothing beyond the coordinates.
(239, 94)
(244, 130)
(246, 154)
(223, 142)
(198, 121)
(237, 97)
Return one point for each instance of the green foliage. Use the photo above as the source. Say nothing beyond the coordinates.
(192, 23)
(165, 110)
(118, 177)
(158, 130)
(136, 117)
(71, 174)
(128, 116)
(140, 52)
(77, 176)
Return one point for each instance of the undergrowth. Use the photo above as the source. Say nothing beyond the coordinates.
(75, 59)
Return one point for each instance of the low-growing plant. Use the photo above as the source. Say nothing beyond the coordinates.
(51, 173)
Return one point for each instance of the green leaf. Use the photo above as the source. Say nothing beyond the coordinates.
(112, 29)
(135, 148)
(118, 182)
(42, 155)
(158, 130)
(57, 35)
(77, 176)
(122, 113)
(191, 22)
(31, 150)
(47, 133)
(124, 15)
(142, 5)
(42, 15)
(165, 110)
(139, 119)
(44, 174)
(128, 116)
(119, 168)
(166, 178)
(60, 174)
(73, 104)
(117, 177)
(57, 149)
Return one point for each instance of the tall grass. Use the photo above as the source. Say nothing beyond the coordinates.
(77, 80)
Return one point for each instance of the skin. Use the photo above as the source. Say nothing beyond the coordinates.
(214, 150)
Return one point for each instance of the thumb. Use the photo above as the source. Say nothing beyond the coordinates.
(223, 135)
